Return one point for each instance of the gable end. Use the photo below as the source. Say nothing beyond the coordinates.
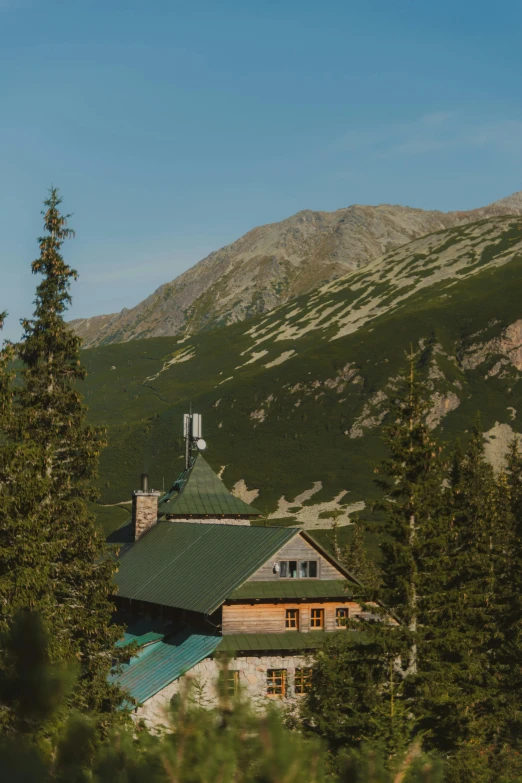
(303, 547)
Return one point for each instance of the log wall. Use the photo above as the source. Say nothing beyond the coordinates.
(271, 618)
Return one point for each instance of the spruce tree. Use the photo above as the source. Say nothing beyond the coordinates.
(25, 548)
(356, 559)
(24, 573)
(357, 694)
(458, 688)
(387, 664)
(411, 480)
(73, 573)
(508, 658)
(5, 379)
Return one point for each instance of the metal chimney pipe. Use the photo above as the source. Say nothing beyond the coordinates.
(144, 482)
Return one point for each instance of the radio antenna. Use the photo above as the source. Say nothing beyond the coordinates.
(192, 430)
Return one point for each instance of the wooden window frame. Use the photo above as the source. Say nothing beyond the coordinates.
(319, 616)
(228, 682)
(339, 617)
(276, 682)
(302, 681)
(291, 614)
(298, 569)
(232, 684)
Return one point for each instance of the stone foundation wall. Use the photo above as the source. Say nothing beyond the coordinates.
(203, 677)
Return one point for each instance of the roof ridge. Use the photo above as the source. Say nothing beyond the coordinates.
(184, 472)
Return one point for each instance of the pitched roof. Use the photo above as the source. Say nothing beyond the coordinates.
(293, 588)
(195, 566)
(199, 492)
(159, 664)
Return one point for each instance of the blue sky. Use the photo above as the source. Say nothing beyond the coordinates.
(173, 128)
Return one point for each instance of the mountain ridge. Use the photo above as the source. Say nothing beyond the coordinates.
(292, 401)
(273, 264)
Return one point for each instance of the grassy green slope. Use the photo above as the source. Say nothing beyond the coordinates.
(305, 406)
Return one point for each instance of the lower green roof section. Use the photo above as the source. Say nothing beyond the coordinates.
(294, 588)
(159, 664)
(289, 641)
(144, 631)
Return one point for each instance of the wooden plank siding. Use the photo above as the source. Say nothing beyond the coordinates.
(271, 618)
(296, 549)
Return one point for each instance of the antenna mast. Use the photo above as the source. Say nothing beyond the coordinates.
(192, 431)
(187, 424)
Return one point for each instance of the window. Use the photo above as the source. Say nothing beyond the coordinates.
(303, 680)
(341, 617)
(294, 569)
(276, 682)
(292, 619)
(232, 683)
(228, 683)
(317, 618)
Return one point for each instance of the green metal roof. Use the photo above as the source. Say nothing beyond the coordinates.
(200, 492)
(159, 664)
(293, 588)
(144, 631)
(291, 640)
(194, 566)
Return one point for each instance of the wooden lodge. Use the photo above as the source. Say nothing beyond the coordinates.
(197, 579)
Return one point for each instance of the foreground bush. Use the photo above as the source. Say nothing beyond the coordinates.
(229, 744)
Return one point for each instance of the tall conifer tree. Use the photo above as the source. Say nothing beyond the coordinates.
(458, 690)
(356, 559)
(24, 573)
(357, 694)
(411, 480)
(24, 562)
(72, 563)
(509, 652)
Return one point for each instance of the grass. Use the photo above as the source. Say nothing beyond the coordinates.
(110, 518)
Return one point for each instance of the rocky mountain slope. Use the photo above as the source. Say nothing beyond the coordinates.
(292, 401)
(273, 264)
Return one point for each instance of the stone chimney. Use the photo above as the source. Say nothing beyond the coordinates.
(144, 508)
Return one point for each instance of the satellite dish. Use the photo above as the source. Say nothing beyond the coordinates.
(201, 444)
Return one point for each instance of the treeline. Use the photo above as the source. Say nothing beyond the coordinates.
(443, 674)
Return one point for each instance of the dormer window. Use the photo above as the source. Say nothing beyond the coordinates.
(298, 569)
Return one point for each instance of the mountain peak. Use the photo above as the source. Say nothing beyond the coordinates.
(274, 263)
(514, 200)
